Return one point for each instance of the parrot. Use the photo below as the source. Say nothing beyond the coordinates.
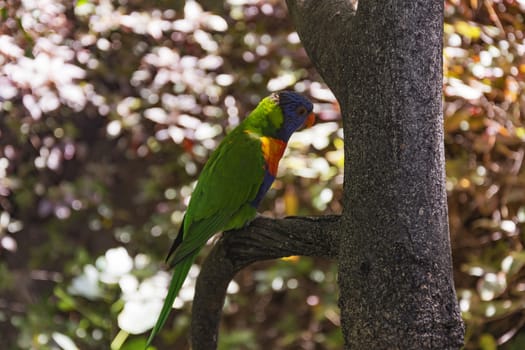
(233, 182)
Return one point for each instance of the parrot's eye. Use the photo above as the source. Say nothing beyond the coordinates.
(301, 110)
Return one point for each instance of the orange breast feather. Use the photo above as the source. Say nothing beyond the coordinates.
(273, 150)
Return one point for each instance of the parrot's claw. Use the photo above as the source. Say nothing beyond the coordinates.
(248, 223)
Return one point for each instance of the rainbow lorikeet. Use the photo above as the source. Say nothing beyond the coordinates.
(233, 182)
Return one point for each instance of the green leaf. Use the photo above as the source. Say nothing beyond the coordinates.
(487, 342)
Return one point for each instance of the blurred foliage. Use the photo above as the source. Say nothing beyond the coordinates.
(109, 109)
(484, 138)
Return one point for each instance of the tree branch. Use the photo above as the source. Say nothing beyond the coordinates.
(263, 239)
(326, 30)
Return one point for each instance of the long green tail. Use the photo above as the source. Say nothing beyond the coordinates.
(179, 275)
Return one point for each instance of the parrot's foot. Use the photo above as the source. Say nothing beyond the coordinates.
(257, 215)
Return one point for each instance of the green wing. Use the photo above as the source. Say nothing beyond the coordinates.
(228, 183)
(230, 179)
(221, 200)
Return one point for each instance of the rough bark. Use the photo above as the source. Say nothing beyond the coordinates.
(384, 64)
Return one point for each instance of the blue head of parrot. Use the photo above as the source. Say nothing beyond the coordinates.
(297, 111)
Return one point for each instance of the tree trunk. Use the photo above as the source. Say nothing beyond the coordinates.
(383, 62)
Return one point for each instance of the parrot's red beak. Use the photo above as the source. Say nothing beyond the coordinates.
(310, 120)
